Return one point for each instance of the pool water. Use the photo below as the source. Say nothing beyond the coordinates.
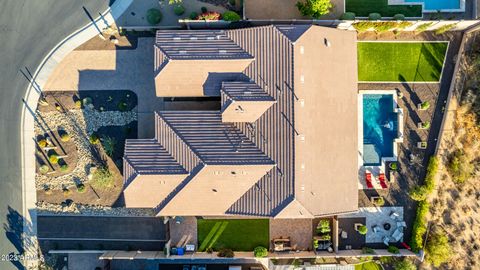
(438, 4)
(380, 125)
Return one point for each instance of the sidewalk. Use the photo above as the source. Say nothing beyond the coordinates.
(30, 103)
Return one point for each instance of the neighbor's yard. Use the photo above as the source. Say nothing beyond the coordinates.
(235, 234)
(400, 61)
(362, 8)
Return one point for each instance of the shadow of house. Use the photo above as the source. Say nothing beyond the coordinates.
(17, 231)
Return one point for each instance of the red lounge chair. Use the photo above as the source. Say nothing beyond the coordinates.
(381, 178)
(368, 179)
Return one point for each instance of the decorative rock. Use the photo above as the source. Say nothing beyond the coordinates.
(96, 210)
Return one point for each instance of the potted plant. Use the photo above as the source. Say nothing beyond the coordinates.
(424, 125)
(422, 145)
(378, 201)
(393, 166)
(361, 229)
(423, 106)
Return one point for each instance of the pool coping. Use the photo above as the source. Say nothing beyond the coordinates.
(409, 41)
(396, 141)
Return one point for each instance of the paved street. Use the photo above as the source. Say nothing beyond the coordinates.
(29, 30)
(80, 232)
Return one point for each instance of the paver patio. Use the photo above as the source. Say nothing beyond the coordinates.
(183, 233)
(299, 231)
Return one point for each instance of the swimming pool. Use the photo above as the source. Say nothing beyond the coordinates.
(380, 125)
(434, 5)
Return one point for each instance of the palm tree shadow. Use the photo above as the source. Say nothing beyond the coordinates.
(18, 235)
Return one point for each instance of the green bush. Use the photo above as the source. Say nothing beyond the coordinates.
(260, 252)
(53, 158)
(348, 16)
(65, 137)
(399, 17)
(231, 16)
(42, 143)
(78, 104)
(420, 193)
(393, 249)
(437, 248)
(179, 10)
(193, 15)
(419, 227)
(323, 226)
(226, 252)
(102, 178)
(426, 125)
(445, 28)
(81, 188)
(423, 27)
(204, 9)
(44, 169)
(64, 167)
(94, 139)
(362, 26)
(404, 264)
(154, 16)
(109, 144)
(459, 167)
(393, 166)
(425, 105)
(374, 16)
(363, 230)
(379, 201)
(314, 8)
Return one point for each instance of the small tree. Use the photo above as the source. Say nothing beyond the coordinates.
(314, 8)
(438, 249)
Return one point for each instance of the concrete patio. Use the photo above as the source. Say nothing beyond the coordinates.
(183, 233)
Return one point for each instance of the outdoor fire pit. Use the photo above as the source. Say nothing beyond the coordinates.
(387, 226)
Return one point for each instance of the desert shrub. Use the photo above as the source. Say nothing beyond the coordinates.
(362, 26)
(109, 144)
(459, 167)
(42, 143)
(379, 201)
(193, 15)
(94, 139)
(348, 16)
(44, 169)
(363, 230)
(393, 166)
(399, 17)
(323, 226)
(393, 249)
(419, 227)
(179, 10)
(314, 8)
(367, 250)
(374, 16)
(78, 104)
(102, 178)
(226, 252)
(437, 248)
(65, 137)
(425, 105)
(87, 101)
(404, 264)
(403, 25)
(420, 193)
(445, 28)
(64, 167)
(231, 16)
(209, 16)
(260, 252)
(154, 16)
(204, 9)
(426, 124)
(81, 188)
(384, 26)
(53, 158)
(423, 27)
(66, 191)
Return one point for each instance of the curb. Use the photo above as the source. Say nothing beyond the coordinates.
(30, 100)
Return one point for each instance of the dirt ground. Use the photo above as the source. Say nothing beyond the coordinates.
(110, 40)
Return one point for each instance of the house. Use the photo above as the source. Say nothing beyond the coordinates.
(283, 144)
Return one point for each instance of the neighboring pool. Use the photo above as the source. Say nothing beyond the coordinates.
(380, 124)
(433, 5)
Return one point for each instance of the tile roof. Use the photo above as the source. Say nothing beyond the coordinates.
(213, 141)
(198, 44)
(245, 91)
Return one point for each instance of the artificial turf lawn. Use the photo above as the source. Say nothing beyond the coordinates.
(368, 266)
(397, 61)
(362, 8)
(235, 234)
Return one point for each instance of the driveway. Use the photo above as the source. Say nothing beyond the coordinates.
(94, 232)
(29, 30)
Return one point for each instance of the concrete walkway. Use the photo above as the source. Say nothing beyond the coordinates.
(113, 70)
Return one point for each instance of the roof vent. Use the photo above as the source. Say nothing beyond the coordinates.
(222, 51)
(302, 50)
(327, 42)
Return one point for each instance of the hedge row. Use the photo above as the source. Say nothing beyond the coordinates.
(419, 226)
(420, 193)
